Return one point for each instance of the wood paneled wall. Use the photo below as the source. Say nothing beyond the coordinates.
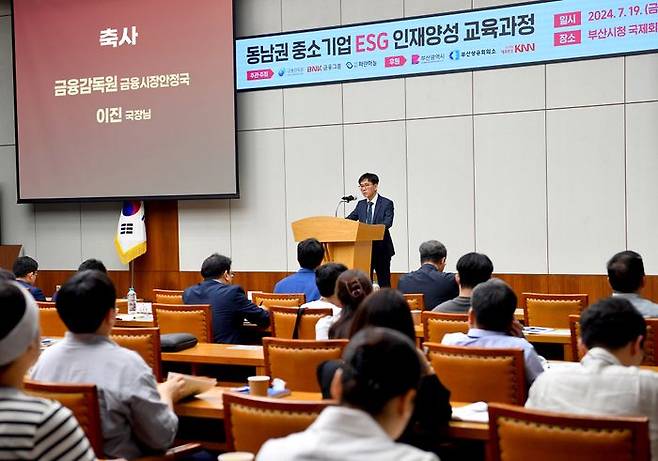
(596, 286)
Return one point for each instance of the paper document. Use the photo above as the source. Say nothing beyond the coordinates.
(474, 412)
(194, 384)
(244, 347)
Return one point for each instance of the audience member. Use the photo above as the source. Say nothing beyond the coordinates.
(87, 265)
(607, 381)
(92, 264)
(230, 306)
(310, 254)
(430, 280)
(136, 412)
(472, 269)
(626, 277)
(25, 270)
(30, 427)
(376, 388)
(492, 324)
(352, 286)
(6, 275)
(387, 308)
(325, 279)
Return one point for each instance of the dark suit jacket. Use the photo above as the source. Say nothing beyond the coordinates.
(436, 286)
(383, 214)
(36, 293)
(230, 307)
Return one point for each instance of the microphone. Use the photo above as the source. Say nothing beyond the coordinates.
(346, 199)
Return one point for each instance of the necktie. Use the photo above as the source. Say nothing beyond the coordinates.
(369, 214)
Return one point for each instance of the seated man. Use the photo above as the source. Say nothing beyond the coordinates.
(626, 277)
(48, 431)
(492, 324)
(607, 381)
(87, 265)
(230, 306)
(472, 269)
(136, 413)
(310, 254)
(25, 270)
(430, 280)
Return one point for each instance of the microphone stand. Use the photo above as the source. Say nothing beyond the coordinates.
(338, 206)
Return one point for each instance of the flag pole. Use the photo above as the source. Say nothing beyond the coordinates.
(132, 273)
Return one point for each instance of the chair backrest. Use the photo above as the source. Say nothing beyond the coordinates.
(284, 318)
(144, 341)
(278, 299)
(167, 296)
(50, 322)
(650, 340)
(195, 319)
(473, 374)
(81, 399)
(296, 360)
(551, 310)
(251, 421)
(517, 434)
(416, 301)
(574, 328)
(437, 324)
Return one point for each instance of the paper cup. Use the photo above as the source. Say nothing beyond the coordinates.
(258, 385)
(236, 456)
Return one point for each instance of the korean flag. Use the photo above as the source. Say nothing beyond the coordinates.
(130, 239)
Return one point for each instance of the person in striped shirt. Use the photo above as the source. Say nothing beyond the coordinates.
(30, 427)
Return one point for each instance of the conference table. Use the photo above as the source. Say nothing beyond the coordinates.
(220, 354)
(209, 406)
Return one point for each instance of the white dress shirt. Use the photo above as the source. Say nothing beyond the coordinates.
(600, 385)
(341, 434)
(646, 307)
(477, 337)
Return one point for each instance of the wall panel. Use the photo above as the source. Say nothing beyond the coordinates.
(586, 209)
(510, 191)
(641, 184)
(204, 227)
(258, 218)
(440, 182)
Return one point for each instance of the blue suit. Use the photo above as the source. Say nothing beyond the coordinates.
(382, 250)
(230, 307)
(36, 293)
(302, 281)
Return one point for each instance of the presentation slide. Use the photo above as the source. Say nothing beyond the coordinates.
(124, 99)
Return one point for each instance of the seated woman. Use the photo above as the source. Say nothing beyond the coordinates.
(30, 427)
(375, 387)
(388, 308)
(352, 287)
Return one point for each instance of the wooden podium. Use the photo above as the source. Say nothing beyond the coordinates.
(8, 254)
(345, 241)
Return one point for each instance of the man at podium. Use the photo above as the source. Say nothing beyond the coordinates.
(375, 209)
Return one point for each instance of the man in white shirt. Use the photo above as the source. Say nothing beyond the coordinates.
(492, 324)
(607, 381)
(626, 277)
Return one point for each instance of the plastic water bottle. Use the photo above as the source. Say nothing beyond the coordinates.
(132, 301)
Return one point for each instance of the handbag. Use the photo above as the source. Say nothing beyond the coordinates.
(174, 342)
